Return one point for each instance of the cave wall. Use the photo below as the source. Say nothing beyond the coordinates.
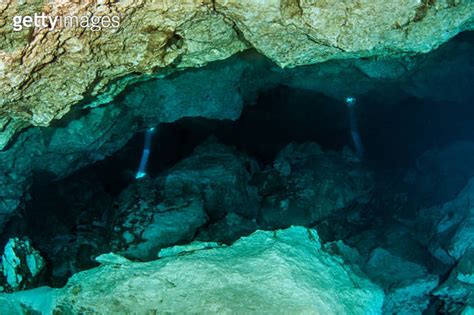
(44, 73)
(220, 91)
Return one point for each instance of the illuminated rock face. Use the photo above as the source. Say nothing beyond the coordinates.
(43, 73)
(285, 271)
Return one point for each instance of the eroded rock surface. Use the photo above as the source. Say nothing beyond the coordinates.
(307, 184)
(283, 271)
(457, 292)
(160, 212)
(36, 64)
(448, 228)
(407, 284)
(20, 266)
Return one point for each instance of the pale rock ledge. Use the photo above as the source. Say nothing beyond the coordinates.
(274, 272)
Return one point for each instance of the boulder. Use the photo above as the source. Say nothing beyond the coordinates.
(448, 228)
(457, 292)
(220, 176)
(407, 284)
(20, 266)
(168, 210)
(144, 222)
(306, 184)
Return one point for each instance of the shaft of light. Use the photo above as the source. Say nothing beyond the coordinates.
(354, 128)
(141, 172)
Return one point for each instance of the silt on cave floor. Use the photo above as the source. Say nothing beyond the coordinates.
(256, 198)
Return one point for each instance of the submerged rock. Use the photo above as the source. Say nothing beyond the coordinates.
(35, 66)
(20, 266)
(457, 292)
(448, 229)
(220, 176)
(88, 136)
(306, 184)
(144, 222)
(284, 271)
(407, 284)
(185, 249)
(168, 210)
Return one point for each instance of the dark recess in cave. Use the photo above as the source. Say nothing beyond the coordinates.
(394, 136)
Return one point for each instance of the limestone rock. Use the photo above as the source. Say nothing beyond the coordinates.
(284, 271)
(213, 92)
(306, 184)
(20, 266)
(111, 259)
(448, 228)
(220, 176)
(36, 64)
(152, 35)
(407, 284)
(144, 223)
(314, 31)
(160, 212)
(457, 291)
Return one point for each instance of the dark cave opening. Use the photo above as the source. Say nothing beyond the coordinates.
(79, 211)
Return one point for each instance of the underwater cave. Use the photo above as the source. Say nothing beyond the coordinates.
(345, 186)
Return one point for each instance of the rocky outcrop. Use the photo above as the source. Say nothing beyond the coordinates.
(448, 228)
(145, 222)
(168, 210)
(285, 271)
(457, 292)
(306, 184)
(20, 266)
(218, 91)
(45, 72)
(407, 284)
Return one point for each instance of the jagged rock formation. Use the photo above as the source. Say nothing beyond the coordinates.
(283, 271)
(407, 284)
(447, 230)
(20, 266)
(44, 73)
(457, 292)
(306, 184)
(169, 209)
(59, 151)
(220, 185)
